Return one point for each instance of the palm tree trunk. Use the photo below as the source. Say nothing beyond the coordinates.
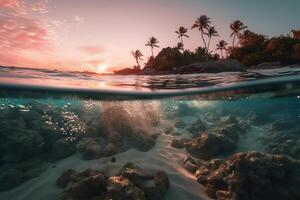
(182, 43)
(208, 45)
(204, 45)
(138, 63)
(222, 54)
(233, 41)
(152, 52)
(203, 40)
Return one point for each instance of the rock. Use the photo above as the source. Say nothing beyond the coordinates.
(162, 182)
(112, 149)
(63, 148)
(27, 143)
(177, 143)
(169, 130)
(180, 143)
(66, 177)
(87, 188)
(156, 188)
(122, 188)
(131, 182)
(198, 126)
(179, 123)
(189, 166)
(134, 174)
(228, 65)
(209, 145)
(10, 179)
(142, 141)
(253, 175)
(90, 149)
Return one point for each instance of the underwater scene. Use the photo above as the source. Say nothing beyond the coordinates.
(234, 142)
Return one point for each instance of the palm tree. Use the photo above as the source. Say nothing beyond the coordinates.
(202, 23)
(211, 32)
(182, 33)
(296, 34)
(236, 27)
(152, 43)
(179, 46)
(138, 56)
(221, 46)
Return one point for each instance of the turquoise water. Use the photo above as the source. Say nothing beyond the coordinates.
(51, 122)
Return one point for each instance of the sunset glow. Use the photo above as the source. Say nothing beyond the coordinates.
(99, 35)
(102, 69)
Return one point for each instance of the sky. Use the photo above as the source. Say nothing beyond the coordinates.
(99, 35)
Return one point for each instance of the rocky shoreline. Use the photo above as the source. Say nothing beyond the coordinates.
(219, 66)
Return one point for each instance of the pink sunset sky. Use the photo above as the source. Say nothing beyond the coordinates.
(98, 35)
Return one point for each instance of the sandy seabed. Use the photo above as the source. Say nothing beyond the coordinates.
(161, 157)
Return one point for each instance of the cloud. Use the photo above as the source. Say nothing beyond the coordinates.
(77, 18)
(40, 6)
(16, 7)
(22, 33)
(19, 7)
(92, 50)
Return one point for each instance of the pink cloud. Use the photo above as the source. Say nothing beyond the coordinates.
(92, 50)
(17, 7)
(40, 6)
(22, 33)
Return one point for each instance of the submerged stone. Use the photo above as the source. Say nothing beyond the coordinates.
(131, 182)
(90, 149)
(11, 178)
(253, 175)
(209, 145)
(63, 148)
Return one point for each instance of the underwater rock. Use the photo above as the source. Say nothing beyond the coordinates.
(24, 171)
(180, 143)
(122, 188)
(63, 148)
(87, 188)
(142, 140)
(198, 126)
(252, 175)
(231, 130)
(169, 130)
(90, 149)
(65, 178)
(112, 149)
(10, 178)
(131, 182)
(179, 123)
(24, 142)
(135, 174)
(206, 146)
(154, 186)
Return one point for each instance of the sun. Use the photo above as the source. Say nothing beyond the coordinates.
(102, 68)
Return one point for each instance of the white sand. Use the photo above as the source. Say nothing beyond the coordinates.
(161, 157)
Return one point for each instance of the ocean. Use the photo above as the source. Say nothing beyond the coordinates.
(71, 135)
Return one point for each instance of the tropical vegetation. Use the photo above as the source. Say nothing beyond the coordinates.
(248, 47)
